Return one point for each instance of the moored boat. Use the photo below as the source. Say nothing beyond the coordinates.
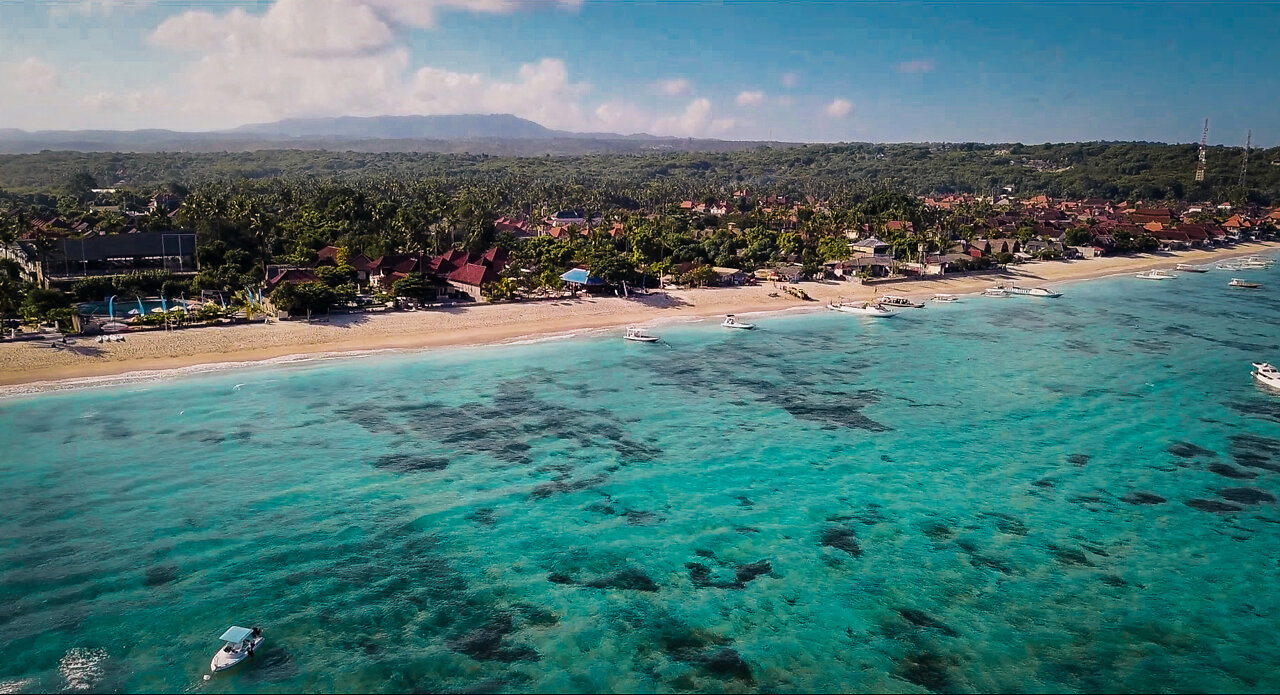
(900, 302)
(861, 309)
(945, 298)
(638, 335)
(1028, 291)
(732, 321)
(1237, 282)
(239, 644)
(1157, 275)
(995, 292)
(1266, 374)
(1192, 268)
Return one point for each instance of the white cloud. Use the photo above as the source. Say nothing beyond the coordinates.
(35, 75)
(302, 58)
(749, 98)
(786, 101)
(915, 66)
(673, 87)
(790, 79)
(839, 108)
(698, 118)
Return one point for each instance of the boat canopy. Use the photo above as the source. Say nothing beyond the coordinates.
(235, 634)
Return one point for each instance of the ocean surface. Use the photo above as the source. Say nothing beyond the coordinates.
(1042, 495)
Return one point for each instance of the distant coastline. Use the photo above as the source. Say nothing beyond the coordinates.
(30, 368)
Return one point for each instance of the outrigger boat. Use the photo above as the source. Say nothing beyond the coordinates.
(945, 298)
(240, 643)
(862, 309)
(732, 321)
(1190, 268)
(1237, 282)
(996, 292)
(638, 335)
(1157, 275)
(900, 302)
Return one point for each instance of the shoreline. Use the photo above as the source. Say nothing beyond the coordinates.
(27, 368)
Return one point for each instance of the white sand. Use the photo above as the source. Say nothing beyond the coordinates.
(32, 363)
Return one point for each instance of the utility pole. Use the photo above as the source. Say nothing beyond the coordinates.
(1204, 144)
(1244, 165)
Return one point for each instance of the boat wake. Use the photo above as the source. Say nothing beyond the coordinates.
(82, 668)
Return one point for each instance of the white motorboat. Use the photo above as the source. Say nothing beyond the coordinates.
(732, 321)
(1230, 265)
(996, 292)
(1256, 263)
(945, 298)
(862, 309)
(1191, 268)
(1031, 291)
(1245, 284)
(1266, 374)
(638, 335)
(900, 302)
(1157, 275)
(240, 643)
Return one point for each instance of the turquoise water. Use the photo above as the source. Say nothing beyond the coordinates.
(1001, 494)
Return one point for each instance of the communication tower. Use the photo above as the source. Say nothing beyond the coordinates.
(1244, 165)
(1204, 144)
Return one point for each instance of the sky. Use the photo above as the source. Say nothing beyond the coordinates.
(788, 70)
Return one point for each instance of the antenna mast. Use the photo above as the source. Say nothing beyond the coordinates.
(1244, 166)
(1204, 143)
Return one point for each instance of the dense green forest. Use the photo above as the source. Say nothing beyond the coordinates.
(1144, 171)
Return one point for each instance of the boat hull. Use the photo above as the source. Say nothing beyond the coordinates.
(224, 660)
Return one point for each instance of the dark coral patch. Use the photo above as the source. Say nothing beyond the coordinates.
(1246, 495)
(842, 538)
(921, 619)
(1228, 471)
(1187, 450)
(403, 463)
(627, 578)
(1213, 506)
(1137, 497)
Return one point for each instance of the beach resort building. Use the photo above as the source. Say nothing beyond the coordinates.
(53, 260)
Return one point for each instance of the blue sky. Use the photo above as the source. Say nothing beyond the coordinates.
(830, 71)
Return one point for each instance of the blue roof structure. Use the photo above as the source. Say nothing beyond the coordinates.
(235, 634)
(581, 276)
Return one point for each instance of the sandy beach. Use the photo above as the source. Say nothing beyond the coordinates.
(35, 365)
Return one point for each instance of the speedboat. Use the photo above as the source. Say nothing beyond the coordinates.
(1267, 374)
(1237, 282)
(901, 302)
(996, 292)
(638, 335)
(1191, 268)
(1156, 275)
(862, 309)
(945, 298)
(239, 644)
(731, 321)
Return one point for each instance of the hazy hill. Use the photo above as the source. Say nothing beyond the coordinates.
(495, 134)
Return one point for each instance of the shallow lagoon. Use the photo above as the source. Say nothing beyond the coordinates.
(1003, 494)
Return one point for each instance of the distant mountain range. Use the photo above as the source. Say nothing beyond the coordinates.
(496, 134)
